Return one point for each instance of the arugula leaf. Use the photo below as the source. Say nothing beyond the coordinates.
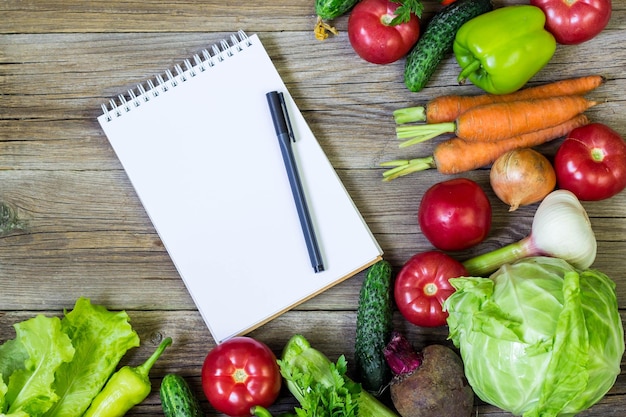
(403, 13)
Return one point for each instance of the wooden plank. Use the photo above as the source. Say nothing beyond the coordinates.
(87, 234)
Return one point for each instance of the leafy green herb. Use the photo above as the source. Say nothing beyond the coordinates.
(319, 400)
(403, 13)
(322, 387)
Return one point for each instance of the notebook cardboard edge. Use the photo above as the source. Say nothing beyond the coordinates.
(292, 306)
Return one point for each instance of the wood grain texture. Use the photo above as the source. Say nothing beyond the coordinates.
(86, 233)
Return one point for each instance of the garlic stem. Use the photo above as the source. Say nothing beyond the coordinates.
(486, 263)
(561, 229)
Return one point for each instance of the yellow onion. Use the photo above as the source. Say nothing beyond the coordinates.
(521, 177)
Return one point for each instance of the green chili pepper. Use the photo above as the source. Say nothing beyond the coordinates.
(126, 388)
(499, 51)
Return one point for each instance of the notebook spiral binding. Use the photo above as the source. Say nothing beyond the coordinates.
(164, 82)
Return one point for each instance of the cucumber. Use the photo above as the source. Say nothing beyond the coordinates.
(331, 9)
(374, 323)
(328, 10)
(437, 40)
(177, 400)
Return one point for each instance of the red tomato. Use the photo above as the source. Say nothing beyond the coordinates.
(575, 21)
(240, 373)
(373, 38)
(591, 162)
(455, 214)
(422, 286)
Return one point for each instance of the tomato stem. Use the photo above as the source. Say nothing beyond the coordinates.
(430, 289)
(240, 375)
(597, 154)
(387, 19)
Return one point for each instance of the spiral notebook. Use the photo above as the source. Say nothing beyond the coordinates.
(201, 152)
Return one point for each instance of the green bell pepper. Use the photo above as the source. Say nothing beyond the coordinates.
(501, 50)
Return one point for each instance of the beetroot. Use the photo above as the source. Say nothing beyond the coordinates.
(430, 383)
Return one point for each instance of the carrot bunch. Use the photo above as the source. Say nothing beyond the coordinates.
(449, 107)
(486, 126)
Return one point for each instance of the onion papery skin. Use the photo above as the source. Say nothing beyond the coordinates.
(521, 177)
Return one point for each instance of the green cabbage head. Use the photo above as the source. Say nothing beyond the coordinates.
(538, 338)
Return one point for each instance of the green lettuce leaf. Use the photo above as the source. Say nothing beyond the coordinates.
(30, 388)
(12, 357)
(16, 414)
(55, 367)
(101, 338)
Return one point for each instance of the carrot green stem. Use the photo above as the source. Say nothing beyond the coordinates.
(484, 264)
(423, 132)
(404, 167)
(410, 115)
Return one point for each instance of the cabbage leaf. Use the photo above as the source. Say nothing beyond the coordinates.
(539, 337)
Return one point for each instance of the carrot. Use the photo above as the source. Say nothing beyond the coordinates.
(447, 108)
(496, 121)
(456, 155)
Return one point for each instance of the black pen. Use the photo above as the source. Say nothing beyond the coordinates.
(284, 132)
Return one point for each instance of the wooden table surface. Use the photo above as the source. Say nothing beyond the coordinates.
(86, 233)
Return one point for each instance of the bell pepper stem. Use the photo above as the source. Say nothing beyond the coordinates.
(465, 73)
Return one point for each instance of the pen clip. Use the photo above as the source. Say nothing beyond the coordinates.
(283, 104)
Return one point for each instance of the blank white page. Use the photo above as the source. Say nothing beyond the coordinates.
(205, 162)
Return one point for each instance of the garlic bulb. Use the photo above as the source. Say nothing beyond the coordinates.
(561, 228)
